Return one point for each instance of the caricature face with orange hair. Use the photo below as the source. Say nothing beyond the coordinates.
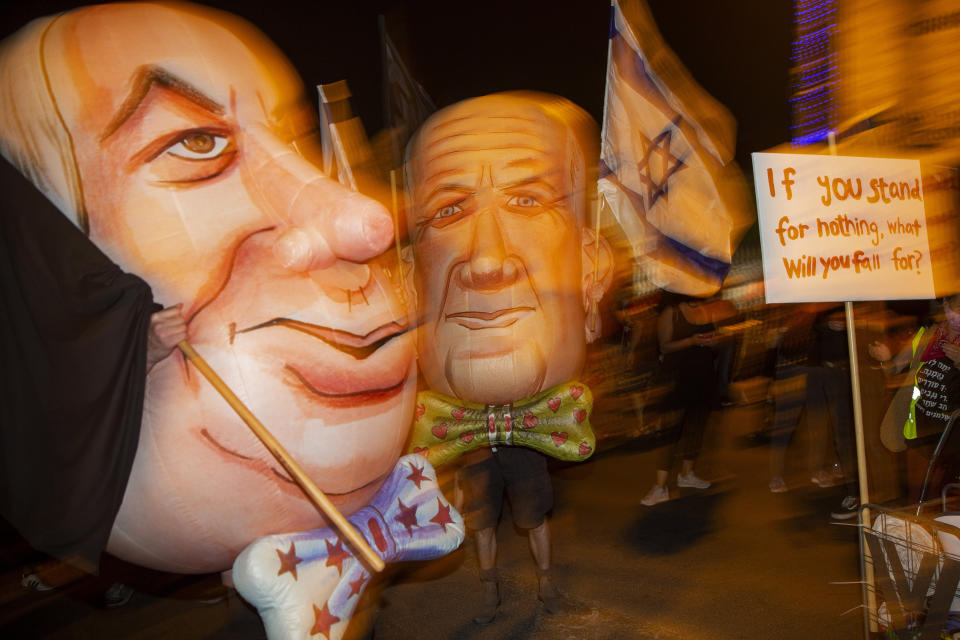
(188, 133)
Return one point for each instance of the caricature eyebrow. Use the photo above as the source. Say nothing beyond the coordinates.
(524, 162)
(537, 180)
(449, 188)
(147, 76)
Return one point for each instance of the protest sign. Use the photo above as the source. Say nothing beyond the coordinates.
(838, 228)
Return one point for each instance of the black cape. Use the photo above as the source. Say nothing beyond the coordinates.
(73, 330)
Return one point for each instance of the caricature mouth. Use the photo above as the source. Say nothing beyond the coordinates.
(350, 370)
(488, 319)
(356, 346)
(349, 398)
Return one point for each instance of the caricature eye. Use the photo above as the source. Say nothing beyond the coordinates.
(445, 212)
(192, 156)
(523, 202)
(449, 210)
(201, 145)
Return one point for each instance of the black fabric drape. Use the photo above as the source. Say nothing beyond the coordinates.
(73, 330)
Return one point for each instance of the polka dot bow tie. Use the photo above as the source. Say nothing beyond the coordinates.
(307, 585)
(555, 422)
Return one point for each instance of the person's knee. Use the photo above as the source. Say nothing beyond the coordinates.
(541, 529)
(487, 535)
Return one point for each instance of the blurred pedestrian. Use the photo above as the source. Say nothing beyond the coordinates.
(687, 335)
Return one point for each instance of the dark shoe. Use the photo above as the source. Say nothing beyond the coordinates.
(117, 595)
(551, 598)
(489, 597)
(848, 509)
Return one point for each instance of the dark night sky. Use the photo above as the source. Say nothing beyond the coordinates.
(737, 49)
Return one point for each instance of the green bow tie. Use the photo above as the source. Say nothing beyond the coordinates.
(555, 422)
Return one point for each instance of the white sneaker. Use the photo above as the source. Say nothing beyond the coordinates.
(691, 480)
(777, 485)
(656, 495)
(30, 580)
(823, 479)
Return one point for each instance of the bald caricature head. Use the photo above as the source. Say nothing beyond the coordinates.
(176, 137)
(499, 187)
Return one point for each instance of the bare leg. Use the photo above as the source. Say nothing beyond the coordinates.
(540, 546)
(662, 477)
(487, 548)
(686, 468)
(486, 540)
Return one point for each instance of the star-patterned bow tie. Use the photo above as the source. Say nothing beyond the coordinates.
(555, 422)
(307, 584)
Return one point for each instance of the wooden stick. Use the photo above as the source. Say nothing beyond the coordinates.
(866, 562)
(396, 233)
(309, 487)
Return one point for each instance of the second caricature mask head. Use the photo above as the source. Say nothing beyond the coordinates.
(500, 190)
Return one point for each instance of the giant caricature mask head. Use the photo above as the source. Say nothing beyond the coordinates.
(184, 127)
(504, 265)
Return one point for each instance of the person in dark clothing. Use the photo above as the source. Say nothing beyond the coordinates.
(793, 345)
(813, 361)
(687, 334)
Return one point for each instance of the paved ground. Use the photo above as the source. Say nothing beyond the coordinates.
(734, 561)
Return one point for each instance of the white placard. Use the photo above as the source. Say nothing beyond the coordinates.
(835, 228)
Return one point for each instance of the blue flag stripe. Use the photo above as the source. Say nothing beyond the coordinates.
(712, 266)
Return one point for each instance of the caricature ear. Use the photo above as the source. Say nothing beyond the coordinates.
(597, 261)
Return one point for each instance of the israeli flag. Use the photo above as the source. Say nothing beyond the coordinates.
(666, 169)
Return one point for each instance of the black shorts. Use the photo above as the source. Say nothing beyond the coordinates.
(522, 472)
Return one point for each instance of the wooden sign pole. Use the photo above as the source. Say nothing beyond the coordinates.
(866, 563)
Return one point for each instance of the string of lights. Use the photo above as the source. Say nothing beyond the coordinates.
(814, 73)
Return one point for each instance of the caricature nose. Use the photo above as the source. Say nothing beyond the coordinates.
(320, 220)
(489, 265)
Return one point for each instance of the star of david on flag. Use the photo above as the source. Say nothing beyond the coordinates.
(666, 169)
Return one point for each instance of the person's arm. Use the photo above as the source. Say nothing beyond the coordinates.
(891, 365)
